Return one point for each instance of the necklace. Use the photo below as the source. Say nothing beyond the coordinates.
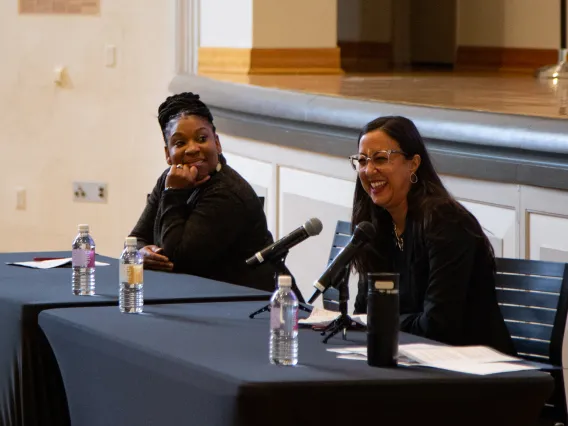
(399, 240)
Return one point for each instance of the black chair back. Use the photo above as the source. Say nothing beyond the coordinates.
(340, 239)
(533, 297)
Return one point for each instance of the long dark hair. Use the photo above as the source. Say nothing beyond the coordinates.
(426, 197)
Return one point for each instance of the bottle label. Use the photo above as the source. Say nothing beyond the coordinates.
(275, 318)
(131, 274)
(83, 258)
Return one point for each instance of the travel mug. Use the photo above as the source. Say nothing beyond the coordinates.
(382, 319)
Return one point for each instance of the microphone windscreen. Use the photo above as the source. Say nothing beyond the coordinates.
(313, 226)
(364, 231)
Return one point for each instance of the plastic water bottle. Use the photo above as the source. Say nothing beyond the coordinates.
(131, 277)
(284, 324)
(83, 263)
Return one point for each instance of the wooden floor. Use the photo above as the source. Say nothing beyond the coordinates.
(518, 94)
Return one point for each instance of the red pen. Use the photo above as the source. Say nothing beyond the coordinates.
(41, 259)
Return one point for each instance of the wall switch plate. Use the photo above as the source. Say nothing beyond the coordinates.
(20, 199)
(90, 192)
(110, 56)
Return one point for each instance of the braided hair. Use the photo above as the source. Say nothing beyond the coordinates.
(177, 106)
(181, 105)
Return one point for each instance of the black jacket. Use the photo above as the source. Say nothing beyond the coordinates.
(211, 230)
(447, 283)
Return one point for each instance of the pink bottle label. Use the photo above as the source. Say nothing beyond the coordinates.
(83, 258)
(296, 320)
(275, 318)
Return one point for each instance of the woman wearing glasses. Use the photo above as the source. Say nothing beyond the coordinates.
(445, 261)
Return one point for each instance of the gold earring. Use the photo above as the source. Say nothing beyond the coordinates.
(218, 166)
(413, 178)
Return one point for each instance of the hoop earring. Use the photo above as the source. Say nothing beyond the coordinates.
(413, 178)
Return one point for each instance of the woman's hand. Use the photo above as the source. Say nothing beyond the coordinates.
(154, 260)
(183, 176)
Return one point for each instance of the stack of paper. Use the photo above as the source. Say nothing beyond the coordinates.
(465, 359)
(322, 317)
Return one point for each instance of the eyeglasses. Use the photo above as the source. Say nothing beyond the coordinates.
(380, 160)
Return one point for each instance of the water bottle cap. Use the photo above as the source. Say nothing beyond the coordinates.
(131, 241)
(83, 228)
(284, 281)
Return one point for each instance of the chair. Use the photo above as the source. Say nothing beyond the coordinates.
(340, 239)
(533, 297)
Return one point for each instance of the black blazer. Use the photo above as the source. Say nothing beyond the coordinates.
(211, 230)
(447, 283)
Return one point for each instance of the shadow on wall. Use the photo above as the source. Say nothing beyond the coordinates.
(364, 35)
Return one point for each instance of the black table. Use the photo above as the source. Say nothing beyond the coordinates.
(207, 365)
(31, 391)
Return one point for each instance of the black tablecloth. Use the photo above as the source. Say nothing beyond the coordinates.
(31, 392)
(207, 364)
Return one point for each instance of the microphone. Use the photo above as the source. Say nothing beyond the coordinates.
(363, 233)
(312, 227)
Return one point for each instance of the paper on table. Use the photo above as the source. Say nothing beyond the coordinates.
(361, 350)
(482, 369)
(360, 319)
(359, 353)
(320, 317)
(478, 360)
(323, 317)
(437, 354)
(356, 357)
(48, 264)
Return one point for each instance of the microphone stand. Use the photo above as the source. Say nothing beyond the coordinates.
(344, 321)
(282, 270)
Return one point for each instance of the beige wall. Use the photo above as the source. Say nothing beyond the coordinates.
(268, 23)
(294, 23)
(101, 127)
(509, 23)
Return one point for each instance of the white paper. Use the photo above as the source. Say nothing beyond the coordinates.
(479, 360)
(360, 319)
(355, 357)
(323, 317)
(439, 354)
(48, 264)
(350, 350)
(482, 369)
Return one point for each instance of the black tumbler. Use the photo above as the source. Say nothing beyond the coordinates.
(382, 319)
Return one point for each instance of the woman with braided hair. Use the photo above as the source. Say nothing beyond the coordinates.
(202, 218)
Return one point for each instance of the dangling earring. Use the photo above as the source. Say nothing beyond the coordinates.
(413, 178)
(218, 167)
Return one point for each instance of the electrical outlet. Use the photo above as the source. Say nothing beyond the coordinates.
(90, 192)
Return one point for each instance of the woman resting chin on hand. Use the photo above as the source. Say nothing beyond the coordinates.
(202, 218)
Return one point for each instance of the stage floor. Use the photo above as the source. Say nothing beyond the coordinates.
(518, 94)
